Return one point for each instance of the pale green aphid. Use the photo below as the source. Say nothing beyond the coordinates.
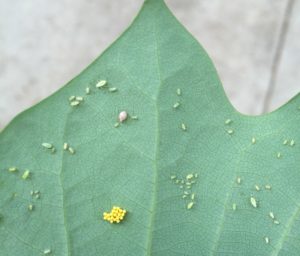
(176, 105)
(30, 207)
(65, 146)
(234, 206)
(72, 98)
(184, 196)
(188, 187)
(276, 222)
(267, 240)
(278, 155)
(190, 205)
(183, 127)
(285, 142)
(196, 175)
(75, 103)
(87, 90)
(25, 174)
(238, 180)
(230, 131)
(47, 251)
(79, 98)
(292, 143)
(186, 192)
(178, 91)
(101, 84)
(228, 121)
(193, 196)
(71, 150)
(134, 117)
(47, 145)
(253, 202)
(12, 169)
(189, 176)
(253, 141)
(116, 125)
(188, 183)
(271, 214)
(257, 187)
(268, 187)
(182, 181)
(177, 181)
(173, 177)
(113, 89)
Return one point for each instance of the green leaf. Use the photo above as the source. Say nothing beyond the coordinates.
(134, 165)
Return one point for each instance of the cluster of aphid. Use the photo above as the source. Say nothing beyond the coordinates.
(116, 215)
(25, 174)
(177, 105)
(75, 100)
(186, 185)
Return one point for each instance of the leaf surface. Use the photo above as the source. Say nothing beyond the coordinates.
(133, 165)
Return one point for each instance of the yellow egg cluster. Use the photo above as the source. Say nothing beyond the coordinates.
(115, 215)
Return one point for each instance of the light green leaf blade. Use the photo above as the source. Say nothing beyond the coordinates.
(131, 165)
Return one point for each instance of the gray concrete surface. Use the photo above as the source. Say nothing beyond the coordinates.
(44, 44)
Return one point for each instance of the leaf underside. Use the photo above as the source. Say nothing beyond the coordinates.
(131, 165)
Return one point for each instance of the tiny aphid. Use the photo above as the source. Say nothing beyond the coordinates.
(267, 240)
(72, 98)
(176, 105)
(183, 127)
(123, 116)
(253, 202)
(134, 117)
(177, 181)
(79, 98)
(230, 131)
(276, 222)
(116, 125)
(193, 196)
(53, 150)
(238, 180)
(66, 146)
(186, 192)
(31, 192)
(278, 155)
(25, 174)
(190, 205)
(37, 196)
(47, 251)
(47, 145)
(178, 91)
(30, 207)
(113, 89)
(101, 83)
(173, 177)
(184, 196)
(12, 169)
(188, 187)
(196, 175)
(253, 141)
(285, 142)
(268, 187)
(234, 206)
(71, 150)
(228, 121)
(189, 176)
(75, 103)
(182, 181)
(188, 183)
(87, 90)
(257, 188)
(292, 143)
(271, 214)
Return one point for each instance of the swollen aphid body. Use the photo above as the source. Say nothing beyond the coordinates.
(253, 141)
(228, 121)
(183, 127)
(190, 205)
(101, 84)
(178, 91)
(25, 174)
(12, 169)
(176, 105)
(238, 180)
(87, 90)
(267, 240)
(230, 132)
(253, 202)
(47, 251)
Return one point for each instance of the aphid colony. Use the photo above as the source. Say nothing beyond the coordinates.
(186, 186)
(116, 215)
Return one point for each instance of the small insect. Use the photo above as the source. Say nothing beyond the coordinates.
(253, 202)
(72, 98)
(238, 180)
(271, 214)
(47, 251)
(116, 125)
(79, 98)
(134, 117)
(190, 205)
(47, 145)
(257, 188)
(196, 175)
(184, 196)
(267, 240)
(173, 177)
(25, 174)
(71, 150)
(12, 169)
(183, 127)
(123, 116)
(230, 131)
(178, 91)
(66, 146)
(186, 192)
(87, 90)
(278, 155)
(189, 176)
(30, 207)
(292, 143)
(234, 206)
(193, 196)
(268, 187)
(285, 142)
(177, 181)
(112, 89)
(253, 141)
(228, 121)
(176, 105)
(75, 103)
(101, 84)
(276, 222)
